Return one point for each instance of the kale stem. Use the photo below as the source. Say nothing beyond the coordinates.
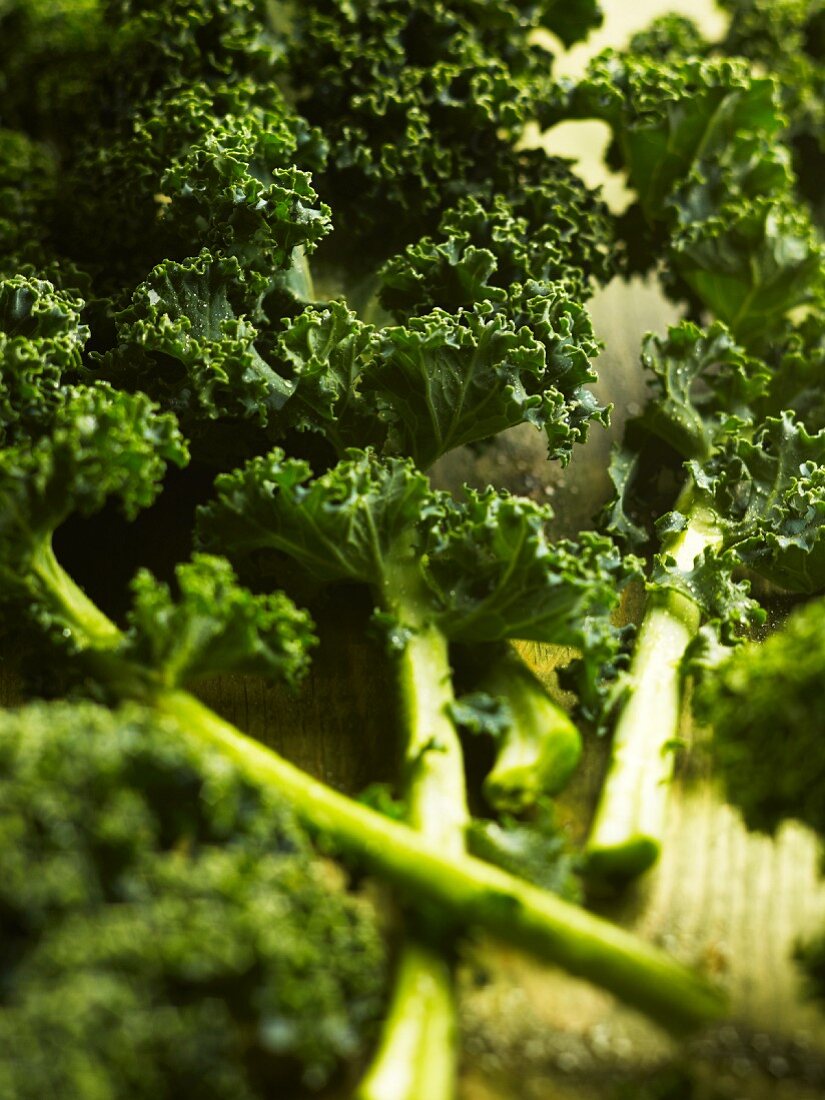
(418, 1051)
(628, 827)
(468, 892)
(541, 748)
(71, 603)
(434, 761)
(417, 1054)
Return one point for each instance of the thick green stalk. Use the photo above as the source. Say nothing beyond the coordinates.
(542, 747)
(418, 1052)
(627, 831)
(75, 606)
(467, 891)
(433, 758)
(417, 1055)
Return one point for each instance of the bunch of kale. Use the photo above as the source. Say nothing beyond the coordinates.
(300, 248)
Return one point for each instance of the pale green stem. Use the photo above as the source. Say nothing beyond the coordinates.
(418, 1051)
(75, 606)
(542, 747)
(468, 892)
(434, 761)
(417, 1056)
(629, 824)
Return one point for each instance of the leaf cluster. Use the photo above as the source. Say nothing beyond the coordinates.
(715, 191)
(165, 924)
(763, 704)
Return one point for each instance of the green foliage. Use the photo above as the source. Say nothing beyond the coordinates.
(165, 925)
(769, 495)
(797, 368)
(325, 352)
(756, 479)
(496, 574)
(345, 525)
(698, 139)
(536, 850)
(51, 52)
(485, 569)
(193, 167)
(787, 38)
(489, 568)
(763, 704)
(482, 713)
(449, 380)
(443, 380)
(170, 175)
(41, 342)
(186, 338)
(27, 182)
(419, 104)
(215, 626)
(667, 37)
(551, 232)
(100, 444)
(702, 387)
(668, 116)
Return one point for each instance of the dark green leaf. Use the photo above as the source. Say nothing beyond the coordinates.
(214, 626)
(340, 526)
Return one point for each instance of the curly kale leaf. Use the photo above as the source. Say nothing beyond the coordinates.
(617, 517)
(214, 626)
(669, 36)
(667, 116)
(496, 574)
(100, 444)
(555, 231)
(450, 380)
(764, 704)
(194, 167)
(41, 342)
(324, 352)
(482, 570)
(787, 39)
(698, 138)
(443, 380)
(768, 493)
(205, 42)
(796, 360)
(753, 262)
(419, 104)
(481, 713)
(341, 526)
(710, 583)
(703, 387)
(187, 340)
(179, 137)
